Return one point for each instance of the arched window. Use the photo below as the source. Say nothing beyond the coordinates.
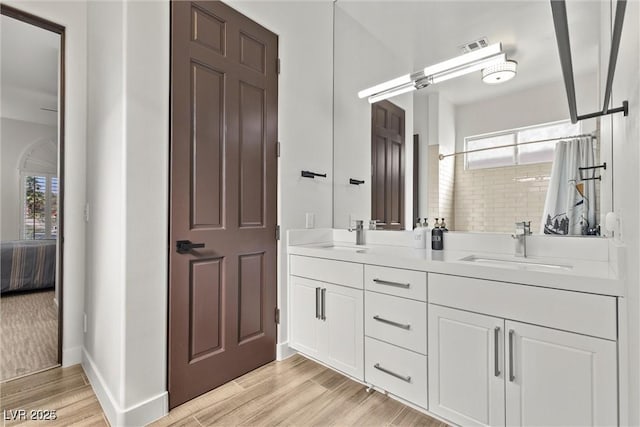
(39, 191)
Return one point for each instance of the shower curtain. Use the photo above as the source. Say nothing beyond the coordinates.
(570, 207)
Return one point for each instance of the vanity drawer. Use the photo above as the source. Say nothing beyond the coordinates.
(396, 370)
(327, 270)
(396, 320)
(396, 281)
(587, 314)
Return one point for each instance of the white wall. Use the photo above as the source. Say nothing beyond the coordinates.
(73, 16)
(128, 146)
(105, 275)
(147, 149)
(361, 61)
(305, 38)
(15, 137)
(626, 158)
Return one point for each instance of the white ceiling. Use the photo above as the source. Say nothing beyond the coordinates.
(29, 71)
(427, 32)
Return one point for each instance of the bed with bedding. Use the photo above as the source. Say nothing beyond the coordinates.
(27, 265)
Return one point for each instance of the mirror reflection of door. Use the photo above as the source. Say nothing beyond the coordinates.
(387, 165)
(31, 191)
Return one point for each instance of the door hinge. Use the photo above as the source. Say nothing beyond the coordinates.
(278, 66)
(277, 232)
(277, 315)
(278, 149)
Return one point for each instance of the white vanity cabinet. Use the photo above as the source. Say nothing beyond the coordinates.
(326, 319)
(484, 368)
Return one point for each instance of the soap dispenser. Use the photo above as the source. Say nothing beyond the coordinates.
(443, 226)
(418, 236)
(436, 237)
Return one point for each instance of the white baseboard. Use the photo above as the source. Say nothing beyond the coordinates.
(140, 414)
(283, 351)
(71, 356)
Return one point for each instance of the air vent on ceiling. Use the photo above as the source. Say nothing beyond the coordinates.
(475, 45)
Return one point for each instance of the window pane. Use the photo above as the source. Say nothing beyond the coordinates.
(542, 152)
(54, 208)
(34, 207)
(491, 158)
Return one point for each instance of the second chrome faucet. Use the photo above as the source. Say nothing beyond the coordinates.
(523, 229)
(359, 229)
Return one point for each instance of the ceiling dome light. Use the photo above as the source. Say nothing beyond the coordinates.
(499, 73)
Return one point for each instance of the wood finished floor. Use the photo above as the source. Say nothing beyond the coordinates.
(294, 392)
(65, 390)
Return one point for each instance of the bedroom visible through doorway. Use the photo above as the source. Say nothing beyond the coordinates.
(31, 170)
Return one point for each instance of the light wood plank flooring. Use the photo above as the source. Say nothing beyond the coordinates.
(295, 392)
(64, 390)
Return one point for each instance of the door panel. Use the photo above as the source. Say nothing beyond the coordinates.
(466, 373)
(222, 296)
(387, 151)
(207, 150)
(252, 156)
(205, 292)
(560, 378)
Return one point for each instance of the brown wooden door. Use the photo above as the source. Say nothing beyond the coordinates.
(387, 165)
(222, 297)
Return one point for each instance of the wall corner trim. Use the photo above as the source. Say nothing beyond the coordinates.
(283, 351)
(71, 356)
(142, 413)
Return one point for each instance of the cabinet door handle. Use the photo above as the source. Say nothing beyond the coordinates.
(323, 313)
(496, 351)
(391, 322)
(512, 375)
(396, 284)
(393, 374)
(317, 303)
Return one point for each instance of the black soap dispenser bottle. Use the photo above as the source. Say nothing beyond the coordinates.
(437, 243)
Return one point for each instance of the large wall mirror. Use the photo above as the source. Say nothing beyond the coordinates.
(431, 152)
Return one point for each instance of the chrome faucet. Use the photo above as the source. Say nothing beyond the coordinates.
(359, 231)
(523, 229)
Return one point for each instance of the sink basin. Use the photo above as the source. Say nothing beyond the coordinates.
(356, 249)
(516, 263)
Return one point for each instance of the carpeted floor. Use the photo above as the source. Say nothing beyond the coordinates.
(28, 333)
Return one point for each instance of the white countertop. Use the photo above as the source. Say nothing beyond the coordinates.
(589, 276)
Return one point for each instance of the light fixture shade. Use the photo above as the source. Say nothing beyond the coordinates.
(499, 73)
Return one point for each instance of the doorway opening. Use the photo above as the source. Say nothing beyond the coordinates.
(32, 193)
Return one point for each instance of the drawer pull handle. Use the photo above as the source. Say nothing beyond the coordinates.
(496, 353)
(396, 284)
(393, 374)
(391, 322)
(512, 375)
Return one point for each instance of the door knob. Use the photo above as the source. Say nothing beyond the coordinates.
(185, 246)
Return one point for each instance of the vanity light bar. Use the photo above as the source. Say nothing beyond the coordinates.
(451, 68)
(386, 86)
(470, 68)
(466, 59)
(392, 92)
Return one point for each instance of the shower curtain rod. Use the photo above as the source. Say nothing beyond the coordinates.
(444, 156)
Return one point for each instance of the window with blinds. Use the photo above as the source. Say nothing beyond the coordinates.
(516, 154)
(40, 207)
